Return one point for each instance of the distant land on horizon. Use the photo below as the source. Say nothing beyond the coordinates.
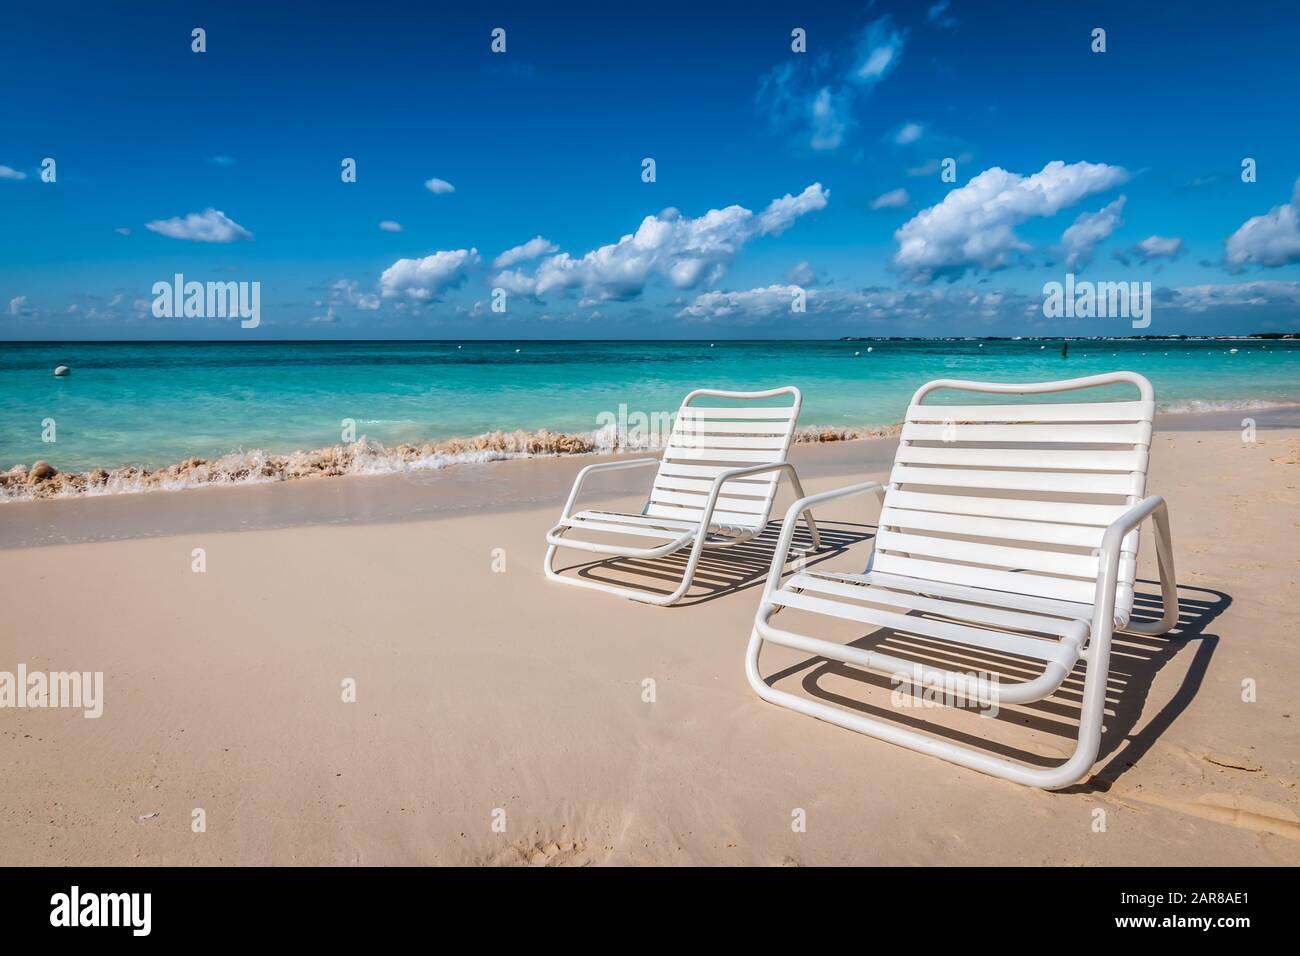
(1258, 336)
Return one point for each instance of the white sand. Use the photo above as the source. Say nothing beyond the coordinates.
(480, 690)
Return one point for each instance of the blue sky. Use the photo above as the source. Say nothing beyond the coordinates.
(160, 150)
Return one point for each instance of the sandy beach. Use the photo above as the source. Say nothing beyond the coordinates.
(485, 694)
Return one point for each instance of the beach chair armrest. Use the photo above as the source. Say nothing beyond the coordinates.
(745, 471)
(792, 516)
(1112, 544)
(750, 470)
(582, 475)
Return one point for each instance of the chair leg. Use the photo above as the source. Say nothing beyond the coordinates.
(1168, 581)
(807, 514)
(1074, 769)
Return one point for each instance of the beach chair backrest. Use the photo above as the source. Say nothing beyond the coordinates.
(716, 431)
(1015, 497)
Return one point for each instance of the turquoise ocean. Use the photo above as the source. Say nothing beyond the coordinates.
(155, 404)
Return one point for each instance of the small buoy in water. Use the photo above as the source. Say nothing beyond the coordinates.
(981, 345)
(1042, 347)
(517, 351)
(871, 348)
(1230, 352)
(64, 370)
(460, 346)
(710, 345)
(856, 354)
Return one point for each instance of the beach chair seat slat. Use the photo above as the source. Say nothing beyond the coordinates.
(1125, 433)
(862, 588)
(1081, 460)
(1062, 651)
(1090, 483)
(1063, 412)
(1041, 532)
(1026, 509)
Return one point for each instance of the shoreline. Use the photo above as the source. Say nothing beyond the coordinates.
(475, 488)
(369, 458)
(359, 458)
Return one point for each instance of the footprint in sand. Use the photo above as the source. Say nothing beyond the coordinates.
(561, 852)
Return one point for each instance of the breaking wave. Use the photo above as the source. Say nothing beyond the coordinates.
(366, 457)
(363, 457)
(1199, 405)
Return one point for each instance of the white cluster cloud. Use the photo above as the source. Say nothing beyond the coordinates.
(8, 172)
(894, 199)
(768, 302)
(388, 225)
(438, 186)
(211, 225)
(938, 15)
(1264, 292)
(1079, 241)
(974, 225)
(780, 214)
(1272, 239)
(18, 305)
(423, 280)
(878, 50)
(531, 249)
(828, 117)
(812, 97)
(910, 310)
(344, 292)
(960, 311)
(1158, 247)
(1150, 249)
(910, 133)
(687, 252)
(802, 274)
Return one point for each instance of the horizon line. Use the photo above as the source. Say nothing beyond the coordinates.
(1176, 336)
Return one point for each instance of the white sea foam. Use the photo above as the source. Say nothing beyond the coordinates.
(1199, 405)
(365, 457)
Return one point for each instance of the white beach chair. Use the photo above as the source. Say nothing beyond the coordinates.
(1006, 530)
(714, 488)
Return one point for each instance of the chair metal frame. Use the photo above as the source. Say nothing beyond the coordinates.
(699, 535)
(1118, 543)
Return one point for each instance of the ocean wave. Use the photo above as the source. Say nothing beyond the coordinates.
(1201, 405)
(366, 457)
(363, 457)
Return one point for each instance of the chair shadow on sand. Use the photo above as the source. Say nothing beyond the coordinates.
(1135, 659)
(725, 570)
